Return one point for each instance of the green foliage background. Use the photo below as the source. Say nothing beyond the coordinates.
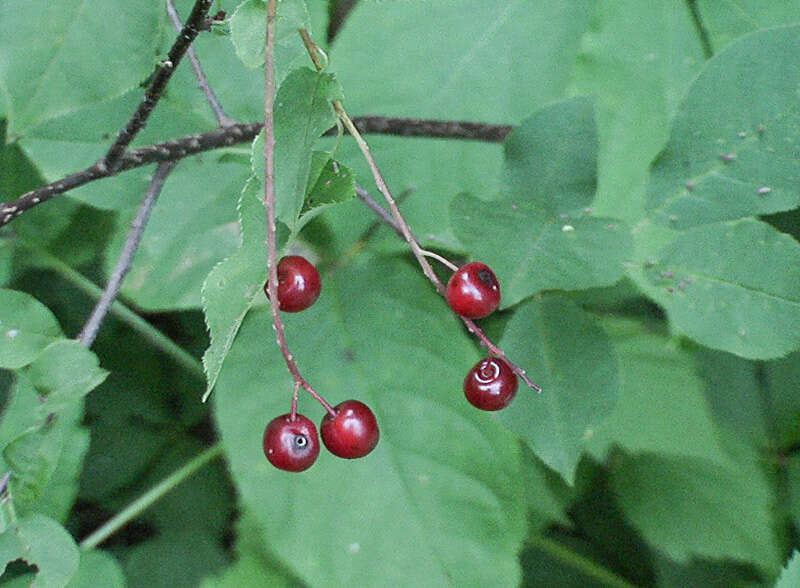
(643, 220)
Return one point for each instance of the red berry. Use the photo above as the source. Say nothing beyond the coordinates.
(491, 384)
(299, 284)
(473, 291)
(353, 432)
(291, 445)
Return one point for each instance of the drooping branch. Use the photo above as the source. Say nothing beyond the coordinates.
(196, 22)
(92, 326)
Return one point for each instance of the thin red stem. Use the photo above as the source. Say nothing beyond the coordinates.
(400, 221)
(269, 201)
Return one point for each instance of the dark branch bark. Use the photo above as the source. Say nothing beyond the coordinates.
(196, 22)
(243, 133)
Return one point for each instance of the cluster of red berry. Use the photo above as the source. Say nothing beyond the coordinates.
(474, 292)
(350, 430)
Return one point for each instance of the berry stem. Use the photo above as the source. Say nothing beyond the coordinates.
(440, 259)
(269, 202)
(401, 222)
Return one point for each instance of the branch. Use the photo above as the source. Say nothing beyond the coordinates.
(418, 252)
(92, 326)
(223, 119)
(236, 134)
(197, 22)
(269, 201)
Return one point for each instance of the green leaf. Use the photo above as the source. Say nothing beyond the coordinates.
(26, 327)
(731, 151)
(444, 479)
(551, 157)
(183, 241)
(636, 61)
(81, 58)
(571, 358)
(42, 542)
(659, 390)
(733, 286)
(249, 34)
(542, 235)
(727, 21)
(691, 507)
(781, 399)
(94, 565)
(790, 575)
(303, 111)
(231, 287)
(470, 60)
(63, 374)
(33, 457)
(334, 184)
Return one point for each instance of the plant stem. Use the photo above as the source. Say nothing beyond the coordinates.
(235, 134)
(153, 336)
(575, 560)
(138, 506)
(269, 202)
(223, 120)
(700, 27)
(401, 222)
(92, 326)
(188, 33)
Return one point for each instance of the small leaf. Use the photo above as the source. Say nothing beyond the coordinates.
(733, 286)
(97, 564)
(33, 458)
(571, 358)
(63, 374)
(248, 34)
(42, 542)
(334, 184)
(26, 327)
(732, 152)
(231, 287)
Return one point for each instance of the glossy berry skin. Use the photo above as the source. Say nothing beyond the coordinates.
(291, 445)
(473, 291)
(299, 284)
(353, 432)
(491, 384)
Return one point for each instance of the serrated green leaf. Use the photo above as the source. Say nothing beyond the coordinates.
(571, 358)
(732, 151)
(636, 60)
(231, 287)
(75, 62)
(691, 507)
(733, 286)
(542, 235)
(42, 542)
(334, 184)
(303, 111)
(249, 34)
(26, 328)
(659, 391)
(430, 493)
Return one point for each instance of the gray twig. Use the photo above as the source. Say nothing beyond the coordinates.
(195, 23)
(95, 320)
(223, 119)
